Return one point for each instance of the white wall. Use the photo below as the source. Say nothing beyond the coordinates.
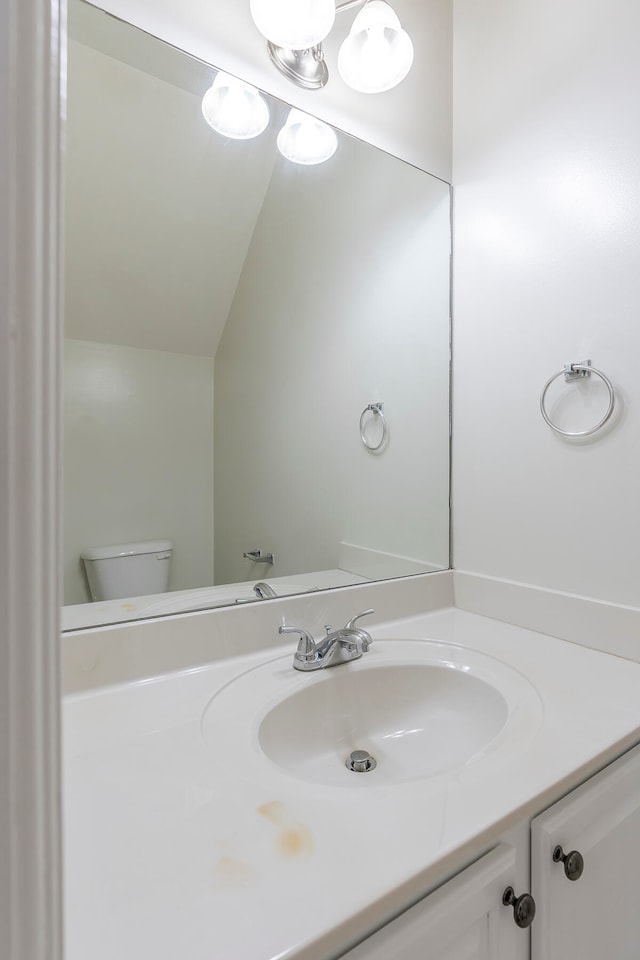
(413, 120)
(547, 233)
(310, 341)
(138, 457)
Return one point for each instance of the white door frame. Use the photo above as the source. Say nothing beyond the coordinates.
(32, 39)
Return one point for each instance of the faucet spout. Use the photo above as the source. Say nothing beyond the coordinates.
(341, 646)
(264, 591)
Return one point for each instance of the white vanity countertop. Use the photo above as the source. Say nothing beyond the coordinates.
(170, 855)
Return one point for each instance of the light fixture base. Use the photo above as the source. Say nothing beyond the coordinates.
(305, 68)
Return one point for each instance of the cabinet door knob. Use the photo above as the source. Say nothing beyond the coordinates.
(573, 862)
(524, 907)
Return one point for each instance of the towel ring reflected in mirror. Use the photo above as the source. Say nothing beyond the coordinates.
(377, 409)
(578, 371)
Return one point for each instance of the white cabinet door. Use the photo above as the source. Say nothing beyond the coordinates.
(463, 920)
(596, 917)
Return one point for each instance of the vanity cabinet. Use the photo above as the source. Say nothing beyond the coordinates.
(585, 881)
(596, 914)
(465, 919)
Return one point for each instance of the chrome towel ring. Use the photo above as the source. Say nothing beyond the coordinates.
(578, 371)
(377, 409)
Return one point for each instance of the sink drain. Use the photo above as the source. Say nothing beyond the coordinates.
(360, 761)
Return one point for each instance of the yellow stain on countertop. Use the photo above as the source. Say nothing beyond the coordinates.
(294, 839)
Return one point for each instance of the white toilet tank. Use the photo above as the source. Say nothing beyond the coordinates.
(128, 569)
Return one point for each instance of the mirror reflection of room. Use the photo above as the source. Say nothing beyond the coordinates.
(257, 351)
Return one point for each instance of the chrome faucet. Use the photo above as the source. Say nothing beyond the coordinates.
(339, 646)
(264, 591)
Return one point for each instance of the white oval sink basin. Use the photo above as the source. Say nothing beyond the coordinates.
(420, 709)
(415, 720)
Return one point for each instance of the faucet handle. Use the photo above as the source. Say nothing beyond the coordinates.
(306, 645)
(350, 624)
(366, 639)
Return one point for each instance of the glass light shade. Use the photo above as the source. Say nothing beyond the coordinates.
(304, 139)
(295, 24)
(234, 108)
(378, 53)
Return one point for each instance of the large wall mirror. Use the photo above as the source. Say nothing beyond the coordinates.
(231, 317)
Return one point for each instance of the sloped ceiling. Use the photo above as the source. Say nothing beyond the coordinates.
(160, 209)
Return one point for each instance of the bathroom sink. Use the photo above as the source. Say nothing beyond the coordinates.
(414, 719)
(420, 709)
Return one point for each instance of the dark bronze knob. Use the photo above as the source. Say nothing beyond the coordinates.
(573, 862)
(524, 907)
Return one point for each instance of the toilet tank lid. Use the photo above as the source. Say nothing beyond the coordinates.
(126, 549)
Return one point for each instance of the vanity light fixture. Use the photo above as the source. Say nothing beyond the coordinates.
(297, 24)
(307, 140)
(234, 108)
(378, 53)
(375, 56)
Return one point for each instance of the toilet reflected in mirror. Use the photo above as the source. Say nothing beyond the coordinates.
(128, 569)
